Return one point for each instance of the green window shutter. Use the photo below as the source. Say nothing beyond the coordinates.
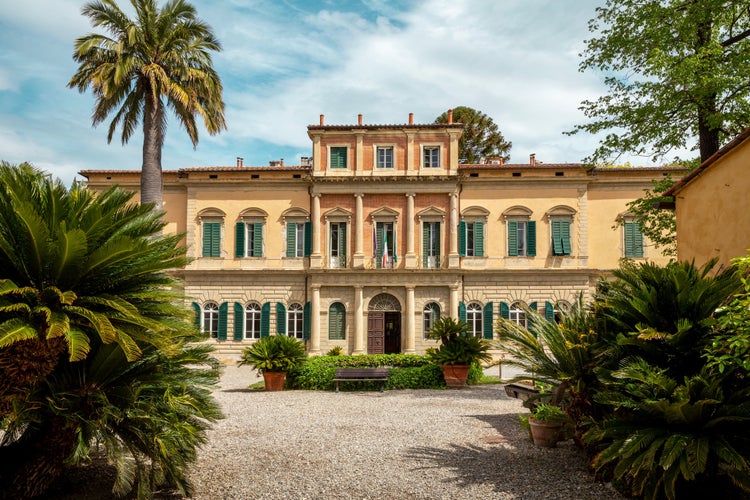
(379, 242)
(557, 248)
(336, 322)
(338, 157)
(223, 313)
(306, 321)
(265, 320)
(258, 239)
(308, 239)
(504, 310)
(438, 243)
(633, 240)
(628, 239)
(534, 307)
(549, 311)
(211, 239)
(425, 243)
(462, 312)
(239, 321)
(280, 318)
(479, 239)
(462, 238)
(565, 235)
(531, 238)
(488, 321)
(342, 242)
(197, 310)
(239, 239)
(512, 238)
(291, 239)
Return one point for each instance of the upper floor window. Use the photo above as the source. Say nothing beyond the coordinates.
(252, 321)
(295, 321)
(471, 232)
(298, 233)
(384, 156)
(431, 244)
(337, 156)
(337, 249)
(430, 315)
(385, 244)
(249, 242)
(430, 156)
(337, 321)
(521, 232)
(212, 222)
(633, 244)
(560, 219)
(210, 323)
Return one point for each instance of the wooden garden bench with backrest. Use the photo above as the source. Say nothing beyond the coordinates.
(361, 375)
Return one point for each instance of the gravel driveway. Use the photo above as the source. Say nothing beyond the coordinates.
(415, 444)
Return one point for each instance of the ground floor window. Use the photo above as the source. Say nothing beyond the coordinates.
(295, 321)
(211, 319)
(430, 315)
(517, 314)
(252, 321)
(474, 319)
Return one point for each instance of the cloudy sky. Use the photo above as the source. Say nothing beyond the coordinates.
(285, 62)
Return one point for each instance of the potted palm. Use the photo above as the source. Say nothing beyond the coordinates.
(458, 350)
(546, 422)
(273, 357)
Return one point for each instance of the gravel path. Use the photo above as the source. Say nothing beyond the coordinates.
(415, 444)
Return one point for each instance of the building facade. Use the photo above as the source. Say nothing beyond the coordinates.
(381, 231)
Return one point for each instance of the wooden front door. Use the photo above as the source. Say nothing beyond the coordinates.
(375, 332)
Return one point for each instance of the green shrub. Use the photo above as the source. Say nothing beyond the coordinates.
(335, 351)
(420, 377)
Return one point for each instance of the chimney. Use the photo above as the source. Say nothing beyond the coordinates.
(411, 118)
(532, 159)
(239, 161)
(322, 120)
(282, 162)
(450, 116)
(359, 119)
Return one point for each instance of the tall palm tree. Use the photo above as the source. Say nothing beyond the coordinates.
(78, 271)
(159, 59)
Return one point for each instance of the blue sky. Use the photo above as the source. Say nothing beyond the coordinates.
(284, 62)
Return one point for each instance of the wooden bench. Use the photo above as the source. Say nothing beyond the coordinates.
(520, 391)
(361, 375)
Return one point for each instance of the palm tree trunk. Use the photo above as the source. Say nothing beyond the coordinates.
(153, 140)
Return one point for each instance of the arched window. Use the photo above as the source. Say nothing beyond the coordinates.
(560, 307)
(252, 321)
(295, 321)
(474, 319)
(430, 315)
(337, 321)
(517, 314)
(211, 319)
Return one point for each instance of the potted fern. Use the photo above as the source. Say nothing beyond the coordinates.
(458, 350)
(546, 422)
(273, 357)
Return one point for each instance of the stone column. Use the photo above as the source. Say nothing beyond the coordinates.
(454, 302)
(410, 330)
(316, 259)
(359, 333)
(453, 257)
(358, 259)
(411, 257)
(315, 321)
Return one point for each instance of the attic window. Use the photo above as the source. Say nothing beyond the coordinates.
(109, 177)
(296, 176)
(474, 174)
(213, 176)
(255, 176)
(559, 174)
(516, 174)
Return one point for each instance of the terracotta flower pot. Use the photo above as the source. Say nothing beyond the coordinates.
(456, 375)
(545, 434)
(274, 380)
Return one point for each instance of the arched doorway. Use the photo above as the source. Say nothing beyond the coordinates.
(384, 325)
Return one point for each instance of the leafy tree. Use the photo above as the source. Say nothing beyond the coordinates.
(159, 59)
(481, 137)
(86, 293)
(676, 70)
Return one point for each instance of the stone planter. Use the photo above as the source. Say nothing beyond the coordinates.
(456, 375)
(545, 434)
(274, 380)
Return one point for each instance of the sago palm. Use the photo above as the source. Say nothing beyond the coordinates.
(160, 59)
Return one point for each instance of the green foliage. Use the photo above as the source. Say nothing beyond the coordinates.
(277, 353)
(549, 413)
(658, 225)
(481, 137)
(335, 351)
(461, 351)
(669, 439)
(675, 71)
(428, 376)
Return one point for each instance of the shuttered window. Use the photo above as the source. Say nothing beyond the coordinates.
(633, 240)
(337, 321)
(253, 321)
(210, 323)
(265, 320)
(471, 239)
(474, 316)
(280, 318)
(212, 239)
(489, 320)
(295, 321)
(298, 239)
(338, 245)
(223, 317)
(430, 314)
(338, 156)
(561, 237)
(522, 238)
(431, 245)
(249, 239)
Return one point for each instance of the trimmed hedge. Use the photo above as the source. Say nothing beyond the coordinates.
(407, 371)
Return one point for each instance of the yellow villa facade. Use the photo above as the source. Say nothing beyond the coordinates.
(382, 230)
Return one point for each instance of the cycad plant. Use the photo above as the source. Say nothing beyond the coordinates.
(277, 353)
(669, 438)
(85, 275)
